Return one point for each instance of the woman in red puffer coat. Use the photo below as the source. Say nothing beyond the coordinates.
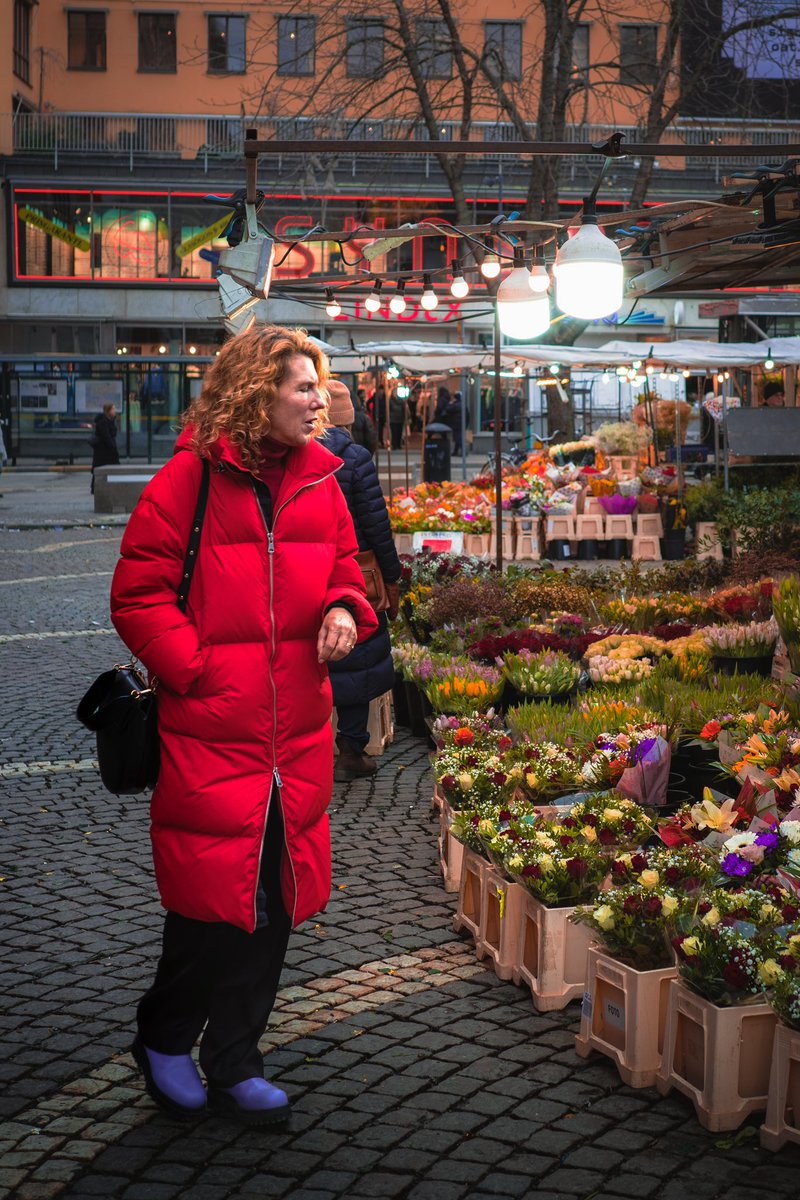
(239, 824)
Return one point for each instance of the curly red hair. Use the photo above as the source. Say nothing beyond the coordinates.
(241, 386)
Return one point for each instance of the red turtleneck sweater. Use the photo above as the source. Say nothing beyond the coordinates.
(273, 465)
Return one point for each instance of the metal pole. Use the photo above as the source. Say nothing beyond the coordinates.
(725, 480)
(498, 443)
(464, 401)
(406, 436)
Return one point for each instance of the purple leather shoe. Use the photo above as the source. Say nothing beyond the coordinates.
(253, 1101)
(172, 1080)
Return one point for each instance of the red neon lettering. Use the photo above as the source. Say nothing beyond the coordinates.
(288, 227)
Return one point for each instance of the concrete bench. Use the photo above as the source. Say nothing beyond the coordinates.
(117, 488)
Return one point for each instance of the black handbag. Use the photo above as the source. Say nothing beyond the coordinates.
(121, 708)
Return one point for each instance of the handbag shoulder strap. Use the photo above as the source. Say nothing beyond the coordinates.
(194, 537)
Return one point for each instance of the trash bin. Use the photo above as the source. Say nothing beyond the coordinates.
(437, 452)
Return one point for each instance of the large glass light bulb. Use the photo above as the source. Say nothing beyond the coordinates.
(520, 312)
(588, 275)
(333, 308)
(429, 300)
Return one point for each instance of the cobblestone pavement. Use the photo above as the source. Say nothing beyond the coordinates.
(413, 1072)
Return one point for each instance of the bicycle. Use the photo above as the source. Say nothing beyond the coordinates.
(515, 456)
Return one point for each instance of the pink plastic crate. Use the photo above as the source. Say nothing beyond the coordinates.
(623, 1016)
(501, 916)
(551, 954)
(782, 1122)
(719, 1057)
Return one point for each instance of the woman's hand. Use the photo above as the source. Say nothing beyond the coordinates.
(337, 635)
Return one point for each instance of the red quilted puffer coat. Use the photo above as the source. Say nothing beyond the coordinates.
(243, 700)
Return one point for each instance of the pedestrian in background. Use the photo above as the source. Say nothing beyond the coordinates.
(453, 417)
(104, 440)
(367, 671)
(239, 823)
(363, 431)
(397, 418)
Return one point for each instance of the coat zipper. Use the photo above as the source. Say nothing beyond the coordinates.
(275, 773)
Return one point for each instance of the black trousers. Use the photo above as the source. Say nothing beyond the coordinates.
(352, 725)
(217, 980)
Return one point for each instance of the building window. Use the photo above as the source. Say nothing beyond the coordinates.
(580, 54)
(503, 47)
(22, 40)
(86, 40)
(434, 49)
(296, 45)
(638, 53)
(364, 46)
(226, 45)
(157, 43)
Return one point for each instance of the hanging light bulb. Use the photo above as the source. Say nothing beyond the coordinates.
(649, 370)
(521, 313)
(622, 371)
(193, 349)
(687, 374)
(517, 369)
(397, 304)
(636, 364)
(538, 279)
(162, 349)
(720, 378)
(333, 308)
(429, 299)
(490, 267)
(673, 378)
(459, 287)
(727, 374)
(769, 361)
(588, 271)
(373, 300)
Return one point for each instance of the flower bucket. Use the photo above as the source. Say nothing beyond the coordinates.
(467, 917)
(512, 698)
(719, 1057)
(551, 954)
(451, 851)
(759, 664)
(673, 545)
(402, 717)
(416, 716)
(782, 1122)
(501, 915)
(477, 544)
(623, 1016)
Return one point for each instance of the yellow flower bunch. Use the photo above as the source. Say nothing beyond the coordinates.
(627, 645)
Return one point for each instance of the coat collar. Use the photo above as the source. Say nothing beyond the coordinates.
(305, 464)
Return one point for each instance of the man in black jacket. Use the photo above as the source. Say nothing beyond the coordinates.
(367, 671)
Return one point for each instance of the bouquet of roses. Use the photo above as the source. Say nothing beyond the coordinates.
(684, 869)
(482, 731)
(547, 674)
(546, 770)
(751, 602)
(488, 829)
(724, 963)
(470, 778)
(634, 924)
(607, 820)
(554, 874)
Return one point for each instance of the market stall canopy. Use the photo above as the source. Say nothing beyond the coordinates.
(425, 358)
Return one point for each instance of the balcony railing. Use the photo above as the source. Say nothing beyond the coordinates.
(207, 139)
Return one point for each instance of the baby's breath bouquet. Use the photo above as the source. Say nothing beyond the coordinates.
(783, 980)
(724, 963)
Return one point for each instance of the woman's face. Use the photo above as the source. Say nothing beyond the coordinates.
(298, 403)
